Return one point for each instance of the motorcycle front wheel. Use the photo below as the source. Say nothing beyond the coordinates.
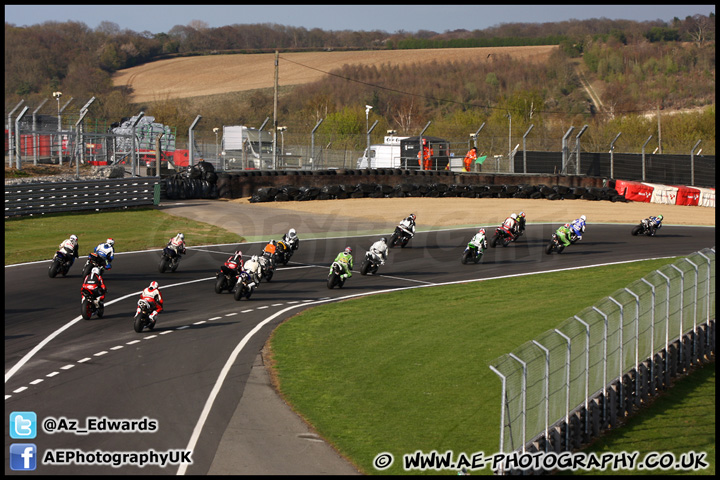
(549, 248)
(138, 324)
(393, 240)
(220, 284)
(636, 229)
(54, 269)
(174, 264)
(465, 257)
(163, 264)
(365, 268)
(86, 309)
(494, 241)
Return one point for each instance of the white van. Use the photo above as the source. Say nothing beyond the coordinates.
(386, 155)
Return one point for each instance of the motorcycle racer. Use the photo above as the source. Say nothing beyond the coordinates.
(291, 239)
(94, 282)
(578, 226)
(479, 240)
(70, 247)
(252, 267)
(563, 234)
(380, 248)
(107, 252)
(655, 223)
(152, 295)
(345, 259)
(177, 244)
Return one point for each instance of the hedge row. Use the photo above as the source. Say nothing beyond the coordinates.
(369, 190)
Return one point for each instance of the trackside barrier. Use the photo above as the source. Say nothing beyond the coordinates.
(40, 198)
(564, 388)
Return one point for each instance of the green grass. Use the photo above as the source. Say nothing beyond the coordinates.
(37, 238)
(679, 421)
(408, 371)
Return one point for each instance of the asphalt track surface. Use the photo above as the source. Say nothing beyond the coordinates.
(199, 373)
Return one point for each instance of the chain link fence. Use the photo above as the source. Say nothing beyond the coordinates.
(41, 141)
(550, 382)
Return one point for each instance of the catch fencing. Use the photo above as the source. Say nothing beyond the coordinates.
(564, 388)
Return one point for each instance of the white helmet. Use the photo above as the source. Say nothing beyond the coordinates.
(110, 242)
(254, 258)
(181, 236)
(95, 271)
(73, 238)
(513, 216)
(291, 233)
(582, 217)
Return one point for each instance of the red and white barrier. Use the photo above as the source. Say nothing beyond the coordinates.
(666, 194)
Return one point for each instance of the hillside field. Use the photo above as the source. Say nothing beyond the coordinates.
(186, 77)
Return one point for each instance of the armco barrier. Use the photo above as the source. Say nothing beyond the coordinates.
(41, 198)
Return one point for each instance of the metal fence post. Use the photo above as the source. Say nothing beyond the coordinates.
(524, 397)
(612, 152)
(547, 394)
(567, 392)
(694, 307)
(667, 320)
(707, 320)
(637, 346)
(652, 331)
(682, 307)
(587, 371)
(692, 163)
(577, 149)
(502, 407)
(622, 358)
(643, 157)
(605, 334)
(524, 150)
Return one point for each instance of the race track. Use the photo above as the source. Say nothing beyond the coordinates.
(59, 365)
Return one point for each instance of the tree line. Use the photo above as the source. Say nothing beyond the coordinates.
(637, 66)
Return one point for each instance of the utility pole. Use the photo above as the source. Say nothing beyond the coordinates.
(659, 131)
(275, 101)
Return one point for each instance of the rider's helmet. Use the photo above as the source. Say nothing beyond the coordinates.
(582, 217)
(292, 233)
(153, 286)
(254, 258)
(412, 216)
(181, 236)
(348, 250)
(110, 242)
(273, 242)
(481, 231)
(238, 254)
(567, 225)
(95, 271)
(383, 239)
(660, 217)
(521, 215)
(73, 238)
(513, 216)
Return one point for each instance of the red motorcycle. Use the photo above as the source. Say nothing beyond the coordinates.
(503, 236)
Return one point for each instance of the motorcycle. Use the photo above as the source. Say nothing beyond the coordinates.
(142, 318)
(242, 286)
(226, 278)
(371, 263)
(401, 236)
(170, 258)
(555, 244)
(94, 261)
(90, 304)
(471, 253)
(60, 264)
(283, 252)
(335, 276)
(502, 236)
(267, 267)
(643, 229)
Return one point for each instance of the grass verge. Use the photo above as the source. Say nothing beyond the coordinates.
(37, 238)
(371, 381)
